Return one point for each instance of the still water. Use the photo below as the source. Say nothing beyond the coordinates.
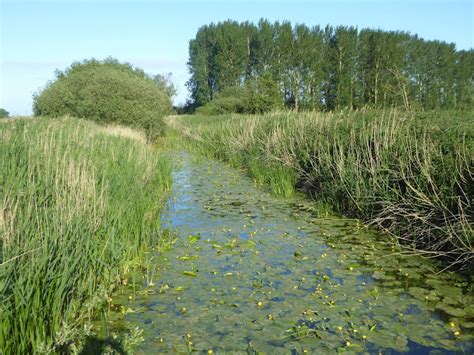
(250, 272)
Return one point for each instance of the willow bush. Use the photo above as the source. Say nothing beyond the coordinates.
(106, 92)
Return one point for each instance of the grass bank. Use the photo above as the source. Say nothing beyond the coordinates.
(79, 203)
(411, 174)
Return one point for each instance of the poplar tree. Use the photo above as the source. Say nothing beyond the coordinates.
(326, 69)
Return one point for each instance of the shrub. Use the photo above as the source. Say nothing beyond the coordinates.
(256, 96)
(106, 92)
(262, 95)
(221, 106)
(4, 113)
(229, 100)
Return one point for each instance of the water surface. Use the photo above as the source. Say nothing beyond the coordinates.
(251, 272)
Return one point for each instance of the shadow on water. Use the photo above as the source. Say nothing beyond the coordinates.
(96, 345)
(250, 272)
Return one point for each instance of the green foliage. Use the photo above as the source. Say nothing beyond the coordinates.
(220, 106)
(107, 92)
(262, 95)
(165, 83)
(4, 113)
(408, 173)
(257, 96)
(281, 179)
(229, 100)
(328, 68)
(77, 206)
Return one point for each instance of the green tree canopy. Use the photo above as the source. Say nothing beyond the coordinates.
(329, 68)
(165, 83)
(106, 92)
(4, 113)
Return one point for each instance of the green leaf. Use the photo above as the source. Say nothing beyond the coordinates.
(193, 238)
(189, 273)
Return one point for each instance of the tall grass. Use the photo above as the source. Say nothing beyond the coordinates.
(77, 206)
(411, 174)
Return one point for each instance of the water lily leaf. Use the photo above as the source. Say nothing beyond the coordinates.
(232, 244)
(380, 275)
(401, 343)
(468, 325)
(384, 339)
(418, 292)
(193, 238)
(435, 282)
(257, 284)
(457, 312)
(449, 291)
(189, 273)
(164, 288)
(187, 257)
(250, 243)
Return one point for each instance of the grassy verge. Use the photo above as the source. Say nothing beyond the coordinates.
(77, 205)
(410, 174)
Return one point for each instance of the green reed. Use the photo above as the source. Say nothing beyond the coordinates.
(77, 205)
(411, 174)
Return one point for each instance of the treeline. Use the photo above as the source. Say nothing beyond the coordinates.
(303, 68)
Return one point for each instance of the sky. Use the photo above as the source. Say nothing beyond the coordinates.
(40, 36)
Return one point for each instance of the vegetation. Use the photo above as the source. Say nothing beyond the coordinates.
(327, 68)
(107, 92)
(408, 173)
(4, 113)
(244, 257)
(386, 136)
(255, 97)
(77, 205)
(165, 83)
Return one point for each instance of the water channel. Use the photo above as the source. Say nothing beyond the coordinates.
(251, 272)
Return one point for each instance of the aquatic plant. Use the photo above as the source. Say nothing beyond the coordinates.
(253, 272)
(77, 206)
(410, 174)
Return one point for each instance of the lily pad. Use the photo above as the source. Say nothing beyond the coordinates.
(457, 312)
(190, 273)
(193, 239)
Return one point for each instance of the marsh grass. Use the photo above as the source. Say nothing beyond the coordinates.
(127, 132)
(410, 174)
(280, 179)
(78, 208)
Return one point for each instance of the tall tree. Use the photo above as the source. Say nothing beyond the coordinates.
(464, 79)
(231, 54)
(331, 68)
(202, 65)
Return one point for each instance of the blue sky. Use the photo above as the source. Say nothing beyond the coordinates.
(39, 36)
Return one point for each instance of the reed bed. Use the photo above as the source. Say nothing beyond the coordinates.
(77, 206)
(410, 174)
